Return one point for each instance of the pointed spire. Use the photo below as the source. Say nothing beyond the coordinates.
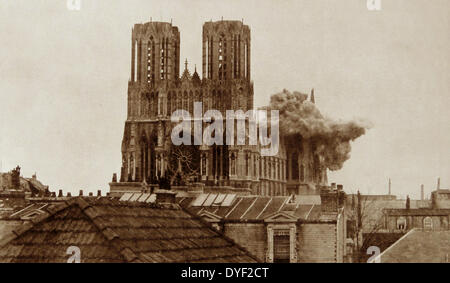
(313, 100)
(185, 64)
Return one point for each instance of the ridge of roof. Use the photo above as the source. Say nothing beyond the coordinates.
(91, 209)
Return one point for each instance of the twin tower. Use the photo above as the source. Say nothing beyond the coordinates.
(156, 89)
(156, 52)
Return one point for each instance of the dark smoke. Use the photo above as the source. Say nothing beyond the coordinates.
(298, 116)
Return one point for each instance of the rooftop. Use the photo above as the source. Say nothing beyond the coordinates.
(419, 246)
(110, 230)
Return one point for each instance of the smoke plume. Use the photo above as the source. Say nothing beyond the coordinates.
(331, 138)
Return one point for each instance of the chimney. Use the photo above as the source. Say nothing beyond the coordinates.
(53, 194)
(60, 193)
(91, 194)
(99, 193)
(332, 200)
(69, 195)
(333, 186)
(81, 193)
(389, 186)
(422, 192)
(439, 183)
(165, 197)
(114, 178)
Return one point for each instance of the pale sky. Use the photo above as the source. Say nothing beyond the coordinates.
(63, 81)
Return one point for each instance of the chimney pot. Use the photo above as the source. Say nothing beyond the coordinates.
(99, 193)
(91, 194)
(81, 193)
(69, 194)
(340, 187)
(60, 193)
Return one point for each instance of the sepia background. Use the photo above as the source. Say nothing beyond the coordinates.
(63, 81)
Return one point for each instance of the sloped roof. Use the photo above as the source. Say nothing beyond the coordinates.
(26, 184)
(109, 230)
(256, 208)
(419, 246)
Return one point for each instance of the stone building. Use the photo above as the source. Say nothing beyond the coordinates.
(156, 89)
(302, 228)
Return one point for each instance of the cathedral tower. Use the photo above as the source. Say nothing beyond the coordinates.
(226, 50)
(155, 54)
(226, 62)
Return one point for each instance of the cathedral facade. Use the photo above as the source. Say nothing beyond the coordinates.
(156, 89)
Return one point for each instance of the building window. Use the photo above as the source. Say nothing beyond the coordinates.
(150, 60)
(162, 57)
(294, 166)
(281, 246)
(302, 173)
(281, 242)
(401, 223)
(135, 61)
(247, 164)
(428, 223)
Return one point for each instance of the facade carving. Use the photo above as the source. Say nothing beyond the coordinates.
(156, 90)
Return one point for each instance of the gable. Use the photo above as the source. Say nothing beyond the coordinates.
(281, 217)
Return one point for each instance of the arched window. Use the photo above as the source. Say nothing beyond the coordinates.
(169, 104)
(247, 164)
(211, 52)
(246, 59)
(135, 60)
(220, 57)
(294, 166)
(162, 57)
(302, 173)
(428, 223)
(185, 101)
(150, 60)
(401, 223)
(191, 103)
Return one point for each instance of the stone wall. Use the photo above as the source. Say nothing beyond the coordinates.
(317, 242)
(252, 236)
